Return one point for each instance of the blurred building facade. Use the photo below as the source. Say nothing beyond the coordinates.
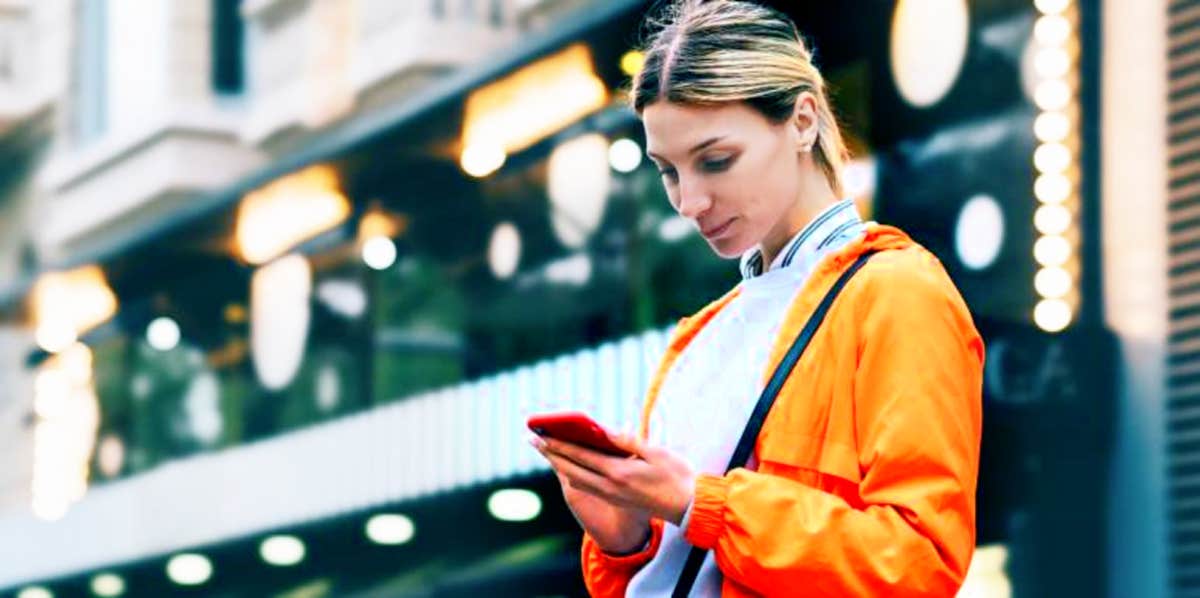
(33, 74)
(280, 273)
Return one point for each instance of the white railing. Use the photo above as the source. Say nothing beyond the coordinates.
(439, 441)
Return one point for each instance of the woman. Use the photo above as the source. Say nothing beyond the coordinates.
(862, 478)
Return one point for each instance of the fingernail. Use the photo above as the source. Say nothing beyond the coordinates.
(537, 443)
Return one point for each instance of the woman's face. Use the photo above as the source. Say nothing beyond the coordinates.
(727, 169)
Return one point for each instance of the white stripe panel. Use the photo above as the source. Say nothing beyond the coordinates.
(607, 399)
(524, 400)
(434, 442)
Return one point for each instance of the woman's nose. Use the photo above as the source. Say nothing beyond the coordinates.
(694, 200)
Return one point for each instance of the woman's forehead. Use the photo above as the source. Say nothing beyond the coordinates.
(674, 128)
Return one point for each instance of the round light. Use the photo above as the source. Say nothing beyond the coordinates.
(1052, 188)
(111, 455)
(51, 393)
(282, 551)
(235, 313)
(624, 155)
(1052, 62)
(1053, 282)
(35, 592)
(343, 297)
(1052, 315)
(163, 334)
(390, 529)
(280, 313)
(1052, 250)
(1052, 30)
(1052, 158)
(480, 160)
(859, 178)
(379, 253)
(632, 62)
(76, 362)
(578, 180)
(1052, 219)
(1051, 126)
(140, 386)
(189, 569)
(1053, 94)
(329, 388)
(928, 48)
(514, 505)
(675, 228)
(1051, 7)
(575, 270)
(504, 250)
(108, 584)
(202, 406)
(55, 336)
(979, 234)
(987, 576)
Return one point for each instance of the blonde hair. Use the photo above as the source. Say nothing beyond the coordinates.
(715, 51)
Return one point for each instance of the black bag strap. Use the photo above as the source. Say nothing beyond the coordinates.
(745, 446)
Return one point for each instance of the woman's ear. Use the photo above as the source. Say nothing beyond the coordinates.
(805, 122)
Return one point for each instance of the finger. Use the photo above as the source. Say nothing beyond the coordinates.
(536, 442)
(649, 452)
(563, 480)
(581, 455)
(628, 442)
(554, 459)
(581, 478)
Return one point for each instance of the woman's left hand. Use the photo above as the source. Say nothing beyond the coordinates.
(656, 480)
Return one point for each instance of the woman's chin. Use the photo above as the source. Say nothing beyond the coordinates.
(729, 248)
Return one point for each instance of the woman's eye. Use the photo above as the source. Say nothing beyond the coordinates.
(668, 173)
(719, 165)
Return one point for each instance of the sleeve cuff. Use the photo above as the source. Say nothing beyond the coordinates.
(706, 517)
(687, 514)
(635, 559)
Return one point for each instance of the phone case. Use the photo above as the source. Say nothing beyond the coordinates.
(577, 428)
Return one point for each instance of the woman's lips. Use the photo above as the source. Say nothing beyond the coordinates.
(717, 231)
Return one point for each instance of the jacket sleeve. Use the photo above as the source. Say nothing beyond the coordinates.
(607, 576)
(917, 394)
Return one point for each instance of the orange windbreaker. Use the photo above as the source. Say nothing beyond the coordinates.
(868, 459)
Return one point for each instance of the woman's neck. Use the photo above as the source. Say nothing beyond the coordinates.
(815, 197)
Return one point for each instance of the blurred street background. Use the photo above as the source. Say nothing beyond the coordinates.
(280, 281)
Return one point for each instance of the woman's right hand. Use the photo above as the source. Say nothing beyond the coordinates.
(616, 530)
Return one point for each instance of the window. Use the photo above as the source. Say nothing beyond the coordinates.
(90, 81)
(228, 48)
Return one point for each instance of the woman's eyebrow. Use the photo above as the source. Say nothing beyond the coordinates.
(696, 148)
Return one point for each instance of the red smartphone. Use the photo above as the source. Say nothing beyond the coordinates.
(577, 428)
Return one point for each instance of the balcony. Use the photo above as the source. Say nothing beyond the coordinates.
(157, 135)
(315, 61)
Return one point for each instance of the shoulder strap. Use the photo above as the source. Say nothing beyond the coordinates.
(745, 445)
